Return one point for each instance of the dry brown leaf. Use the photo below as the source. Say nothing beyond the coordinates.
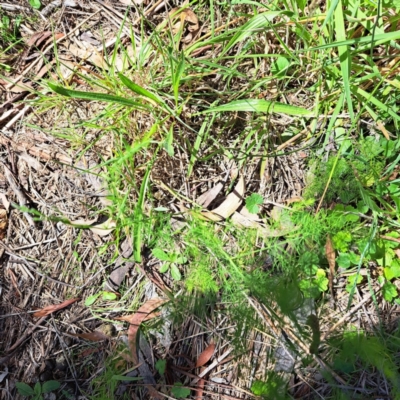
(191, 17)
(38, 38)
(397, 252)
(3, 223)
(105, 228)
(95, 336)
(206, 198)
(141, 315)
(5, 201)
(91, 55)
(50, 309)
(229, 205)
(14, 85)
(331, 257)
(130, 2)
(206, 355)
(382, 128)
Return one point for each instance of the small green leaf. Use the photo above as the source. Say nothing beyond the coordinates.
(91, 299)
(164, 267)
(351, 279)
(161, 255)
(38, 389)
(389, 275)
(175, 273)
(259, 388)
(321, 280)
(24, 389)
(361, 207)
(395, 267)
(252, 203)
(109, 296)
(35, 4)
(160, 366)
(279, 66)
(50, 386)
(181, 260)
(343, 260)
(180, 392)
(389, 291)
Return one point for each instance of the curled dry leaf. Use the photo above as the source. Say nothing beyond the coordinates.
(229, 205)
(206, 198)
(95, 336)
(144, 313)
(91, 55)
(3, 223)
(103, 229)
(331, 257)
(50, 309)
(206, 355)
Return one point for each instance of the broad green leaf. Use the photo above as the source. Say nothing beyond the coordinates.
(395, 267)
(259, 388)
(180, 392)
(321, 280)
(161, 254)
(160, 366)
(37, 389)
(389, 275)
(261, 106)
(76, 94)
(252, 203)
(24, 389)
(279, 66)
(389, 291)
(343, 260)
(352, 281)
(164, 267)
(35, 4)
(181, 260)
(175, 273)
(91, 299)
(109, 296)
(138, 89)
(50, 386)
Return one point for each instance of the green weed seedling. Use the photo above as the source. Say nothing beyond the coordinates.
(253, 202)
(36, 4)
(106, 296)
(37, 392)
(170, 261)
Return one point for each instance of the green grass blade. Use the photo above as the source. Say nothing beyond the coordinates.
(344, 55)
(261, 106)
(376, 39)
(76, 94)
(252, 26)
(137, 236)
(330, 12)
(138, 89)
(383, 107)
